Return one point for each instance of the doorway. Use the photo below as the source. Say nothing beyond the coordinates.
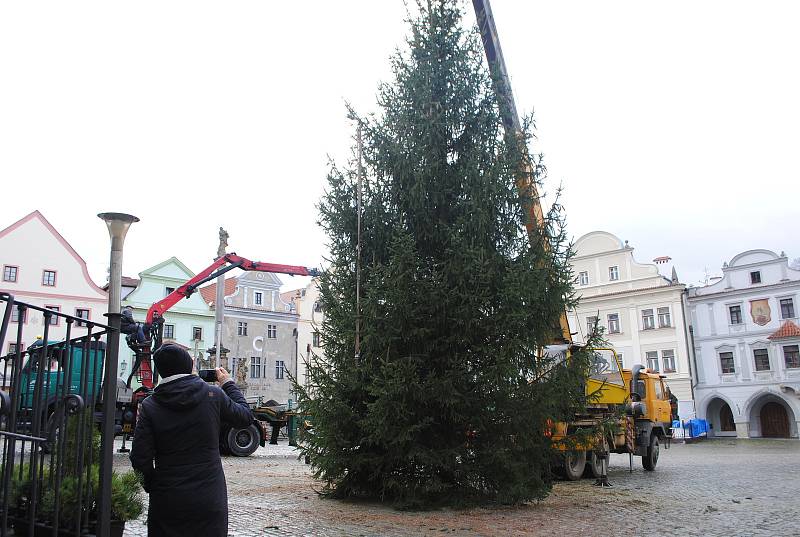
(774, 421)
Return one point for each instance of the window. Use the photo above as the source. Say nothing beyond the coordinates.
(736, 314)
(761, 357)
(12, 348)
(241, 329)
(82, 313)
(648, 320)
(726, 361)
(255, 367)
(591, 323)
(272, 331)
(668, 360)
(318, 306)
(49, 278)
(664, 319)
(791, 355)
(659, 389)
(613, 273)
(258, 298)
(787, 308)
(15, 315)
(122, 367)
(583, 278)
(169, 331)
(197, 333)
(613, 323)
(755, 277)
(652, 360)
(53, 318)
(168, 291)
(279, 369)
(316, 340)
(10, 273)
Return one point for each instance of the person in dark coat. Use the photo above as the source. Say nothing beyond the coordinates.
(176, 447)
(129, 326)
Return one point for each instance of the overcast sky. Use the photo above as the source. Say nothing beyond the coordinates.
(673, 125)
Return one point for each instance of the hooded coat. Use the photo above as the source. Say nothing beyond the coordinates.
(176, 448)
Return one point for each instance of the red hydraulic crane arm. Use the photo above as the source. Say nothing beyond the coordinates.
(221, 266)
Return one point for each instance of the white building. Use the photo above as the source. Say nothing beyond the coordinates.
(746, 347)
(260, 331)
(640, 309)
(309, 308)
(190, 322)
(41, 268)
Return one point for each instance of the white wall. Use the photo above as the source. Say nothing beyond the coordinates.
(746, 389)
(639, 287)
(33, 245)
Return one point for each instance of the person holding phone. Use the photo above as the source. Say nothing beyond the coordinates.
(176, 447)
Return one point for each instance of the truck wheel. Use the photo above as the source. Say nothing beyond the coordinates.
(243, 442)
(574, 464)
(594, 465)
(650, 460)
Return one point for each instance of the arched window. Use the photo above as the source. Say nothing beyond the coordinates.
(726, 418)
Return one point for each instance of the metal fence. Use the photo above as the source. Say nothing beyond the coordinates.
(55, 462)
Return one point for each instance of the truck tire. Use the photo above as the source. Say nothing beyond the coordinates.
(574, 464)
(243, 442)
(650, 460)
(594, 465)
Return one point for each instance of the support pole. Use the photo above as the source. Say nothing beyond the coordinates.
(358, 246)
(219, 301)
(118, 225)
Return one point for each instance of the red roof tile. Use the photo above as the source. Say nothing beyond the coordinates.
(787, 329)
(209, 292)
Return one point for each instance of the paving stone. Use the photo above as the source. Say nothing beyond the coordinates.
(712, 488)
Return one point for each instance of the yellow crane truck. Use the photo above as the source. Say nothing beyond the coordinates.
(635, 401)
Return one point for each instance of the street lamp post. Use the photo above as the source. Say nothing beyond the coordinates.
(118, 224)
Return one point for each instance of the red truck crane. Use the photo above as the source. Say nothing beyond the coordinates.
(240, 442)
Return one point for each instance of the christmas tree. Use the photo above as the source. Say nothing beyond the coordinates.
(449, 397)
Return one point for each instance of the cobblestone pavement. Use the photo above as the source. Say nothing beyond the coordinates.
(711, 488)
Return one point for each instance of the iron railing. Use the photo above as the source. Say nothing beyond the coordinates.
(51, 405)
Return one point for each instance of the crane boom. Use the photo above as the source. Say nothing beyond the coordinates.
(513, 128)
(220, 266)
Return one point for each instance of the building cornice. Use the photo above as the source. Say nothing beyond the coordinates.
(755, 290)
(607, 253)
(636, 292)
(54, 296)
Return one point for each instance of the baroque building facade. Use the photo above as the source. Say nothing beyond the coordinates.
(311, 313)
(189, 323)
(640, 310)
(261, 334)
(746, 343)
(41, 268)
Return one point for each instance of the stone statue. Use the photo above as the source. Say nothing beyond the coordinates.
(241, 374)
(223, 242)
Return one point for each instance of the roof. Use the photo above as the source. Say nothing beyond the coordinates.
(288, 296)
(787, 330)
(209, 292)
(127, 281)
(130, 282)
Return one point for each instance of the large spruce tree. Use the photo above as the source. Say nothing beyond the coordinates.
(449, 398)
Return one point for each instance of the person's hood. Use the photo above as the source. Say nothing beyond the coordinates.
(185, 392)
